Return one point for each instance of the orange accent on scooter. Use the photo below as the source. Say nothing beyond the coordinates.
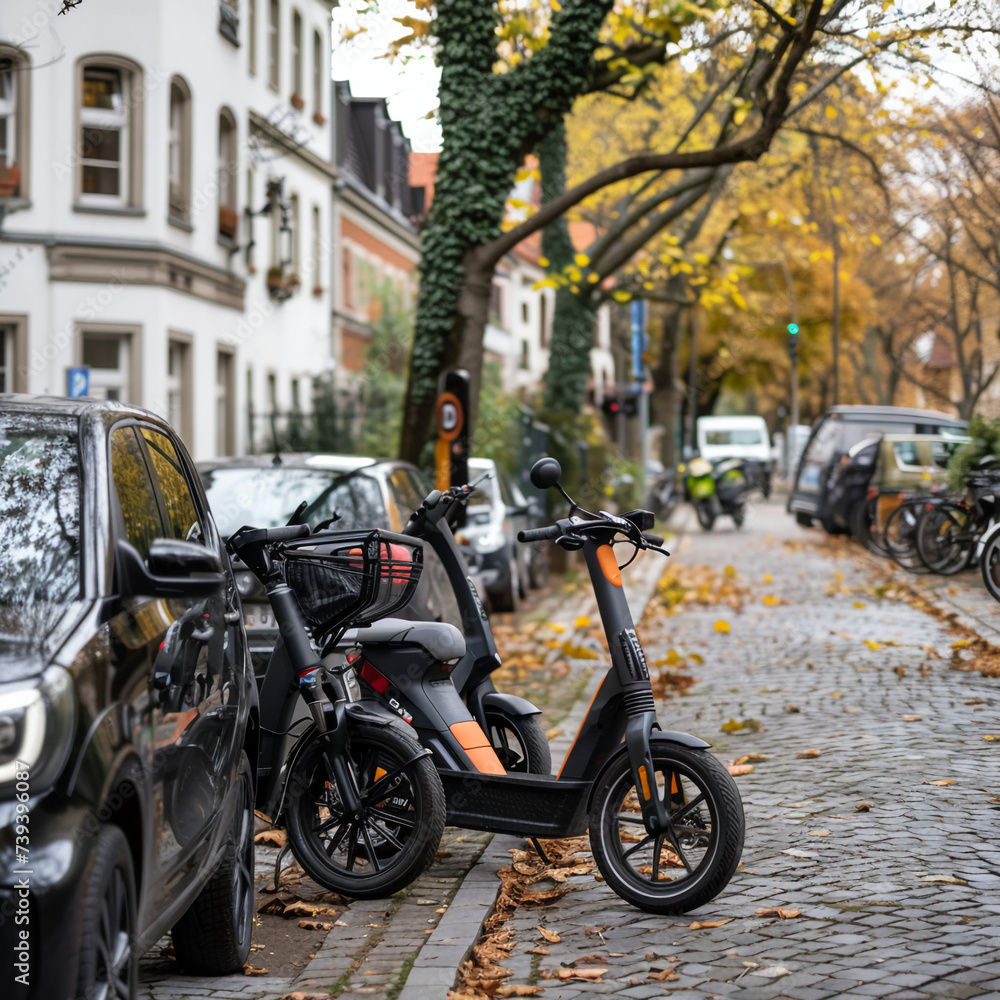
(644, 781)
(609, 565)
(569, 752)
(477, 746)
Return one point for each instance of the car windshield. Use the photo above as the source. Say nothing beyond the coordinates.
(263, 497)
(746, 435)
(40, 514)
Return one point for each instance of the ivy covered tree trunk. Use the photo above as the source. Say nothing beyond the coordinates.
(575, 312)
(665, 400)
(490, 122)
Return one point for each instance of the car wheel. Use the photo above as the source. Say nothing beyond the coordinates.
(213, 937)
(805, 520)
(109, 966)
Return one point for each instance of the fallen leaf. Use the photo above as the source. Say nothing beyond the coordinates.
(835, 694)
(852, 708)
(426, 902)
(859, 604)
(721, 626)
(910, 718)
(538, 950)
(699, 924)
(549, 936)
(871, 644)
(299, 906)
(772, 972)
(792, 708)
(779, 911)
(771, 601)
(746, 758)
(949, 879)
(664, 975)
(736, 725)
(796, 853)
(276, 837)
(819, 833)
(940, 781)
(809, 754)
(249, 970)
(581, 622)
(300, 995)
(518, 990)
(729, 571)
(739, 768)
(990, 739)
(315, 925)
(975, 701)
(961, 644)
(592, 973)
(863, 807)
(551, 734)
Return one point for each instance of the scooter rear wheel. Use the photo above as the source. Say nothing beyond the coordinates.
(397, 831)
(519, 742)
(694, 860)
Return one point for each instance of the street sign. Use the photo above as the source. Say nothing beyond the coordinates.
(639, 344)
(77, 382)
(451, 454)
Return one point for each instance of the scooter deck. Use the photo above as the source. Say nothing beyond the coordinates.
(529, 805)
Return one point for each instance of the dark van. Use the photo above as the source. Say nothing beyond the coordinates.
(833, 436)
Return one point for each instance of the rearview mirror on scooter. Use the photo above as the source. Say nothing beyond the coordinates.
(546, 473)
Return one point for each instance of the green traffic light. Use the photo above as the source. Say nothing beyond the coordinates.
(793, 328)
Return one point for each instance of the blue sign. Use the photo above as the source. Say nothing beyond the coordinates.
(639, 340)
(77, 382)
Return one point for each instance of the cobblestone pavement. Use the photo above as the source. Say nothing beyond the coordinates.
(898, 899)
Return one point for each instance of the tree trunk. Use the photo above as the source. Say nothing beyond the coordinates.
(664, 402)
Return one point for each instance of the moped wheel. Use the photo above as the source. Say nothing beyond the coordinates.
(706, 516)
(694, 860)
(397, 830)
(519, 742)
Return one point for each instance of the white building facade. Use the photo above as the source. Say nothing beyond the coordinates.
(166, 205)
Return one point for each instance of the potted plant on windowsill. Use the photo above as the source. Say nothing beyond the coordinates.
(10, 181)
(319, 118)
(298, 102)
(275, 277)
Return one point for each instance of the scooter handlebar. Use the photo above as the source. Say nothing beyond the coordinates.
(552, 532)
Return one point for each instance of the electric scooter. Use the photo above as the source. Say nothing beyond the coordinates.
(665, 817)
(361, 800)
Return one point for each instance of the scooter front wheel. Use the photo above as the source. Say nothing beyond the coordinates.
(694, 859)
(394, 834)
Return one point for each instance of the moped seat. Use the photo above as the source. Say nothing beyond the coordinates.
(442, 641)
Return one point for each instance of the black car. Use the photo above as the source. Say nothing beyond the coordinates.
(362, 493)
(127, 707)
(832, 438)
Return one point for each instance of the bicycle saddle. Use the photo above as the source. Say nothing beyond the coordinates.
(442, 641)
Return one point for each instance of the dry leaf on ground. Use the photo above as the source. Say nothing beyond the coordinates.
(699, 924)
(315, 925)
(549, 936)
(664, 975)
(810, 753)
(819, 833)
(723, 627)
(911, 718)
(275, 837)
(517, 990)
(940, 781)
(949, 879)
(779, 911)
(792, 708)
(739, 768)
(863, 807)
(249, 970)
(590, 973)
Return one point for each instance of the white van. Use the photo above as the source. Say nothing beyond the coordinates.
(734, 437)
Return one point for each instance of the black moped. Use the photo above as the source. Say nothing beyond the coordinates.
(665, 817)
(360, 797)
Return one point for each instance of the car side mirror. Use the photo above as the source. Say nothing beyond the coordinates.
(174, 569)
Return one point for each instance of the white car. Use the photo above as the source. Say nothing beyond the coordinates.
(734, 437)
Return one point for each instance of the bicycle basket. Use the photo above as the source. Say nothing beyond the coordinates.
(351, 578)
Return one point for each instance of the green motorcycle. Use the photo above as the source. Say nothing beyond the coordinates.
(718, 489)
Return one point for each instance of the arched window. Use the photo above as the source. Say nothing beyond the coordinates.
(319, 74)
(15, 79)
(227, 165)
(297, 84)
(179, 152)
(109, 133)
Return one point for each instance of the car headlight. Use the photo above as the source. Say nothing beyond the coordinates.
(246, 582)
(36, 728)
(489, 541)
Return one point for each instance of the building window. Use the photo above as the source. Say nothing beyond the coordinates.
(319, 65)
(272, 392)
(6, 358)
(179, 386)
(229, 20)
(293, 212)
(13, 346)
(273, 42)
(252, 36)
(14, 120)
(317, 250)
(112, 358)
(297, 59)
(180, 151)
(225, 422)
(228, 220)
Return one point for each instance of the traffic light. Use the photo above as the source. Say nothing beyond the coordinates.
(793, 328)
(631, 404)
(611, 406)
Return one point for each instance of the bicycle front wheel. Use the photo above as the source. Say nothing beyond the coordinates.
(989, 566)
(944, 539)
(693, 861)
(393, 836)
(900, 537)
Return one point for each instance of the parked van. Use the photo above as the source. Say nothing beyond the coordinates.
(734, 437)
(834, 435)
